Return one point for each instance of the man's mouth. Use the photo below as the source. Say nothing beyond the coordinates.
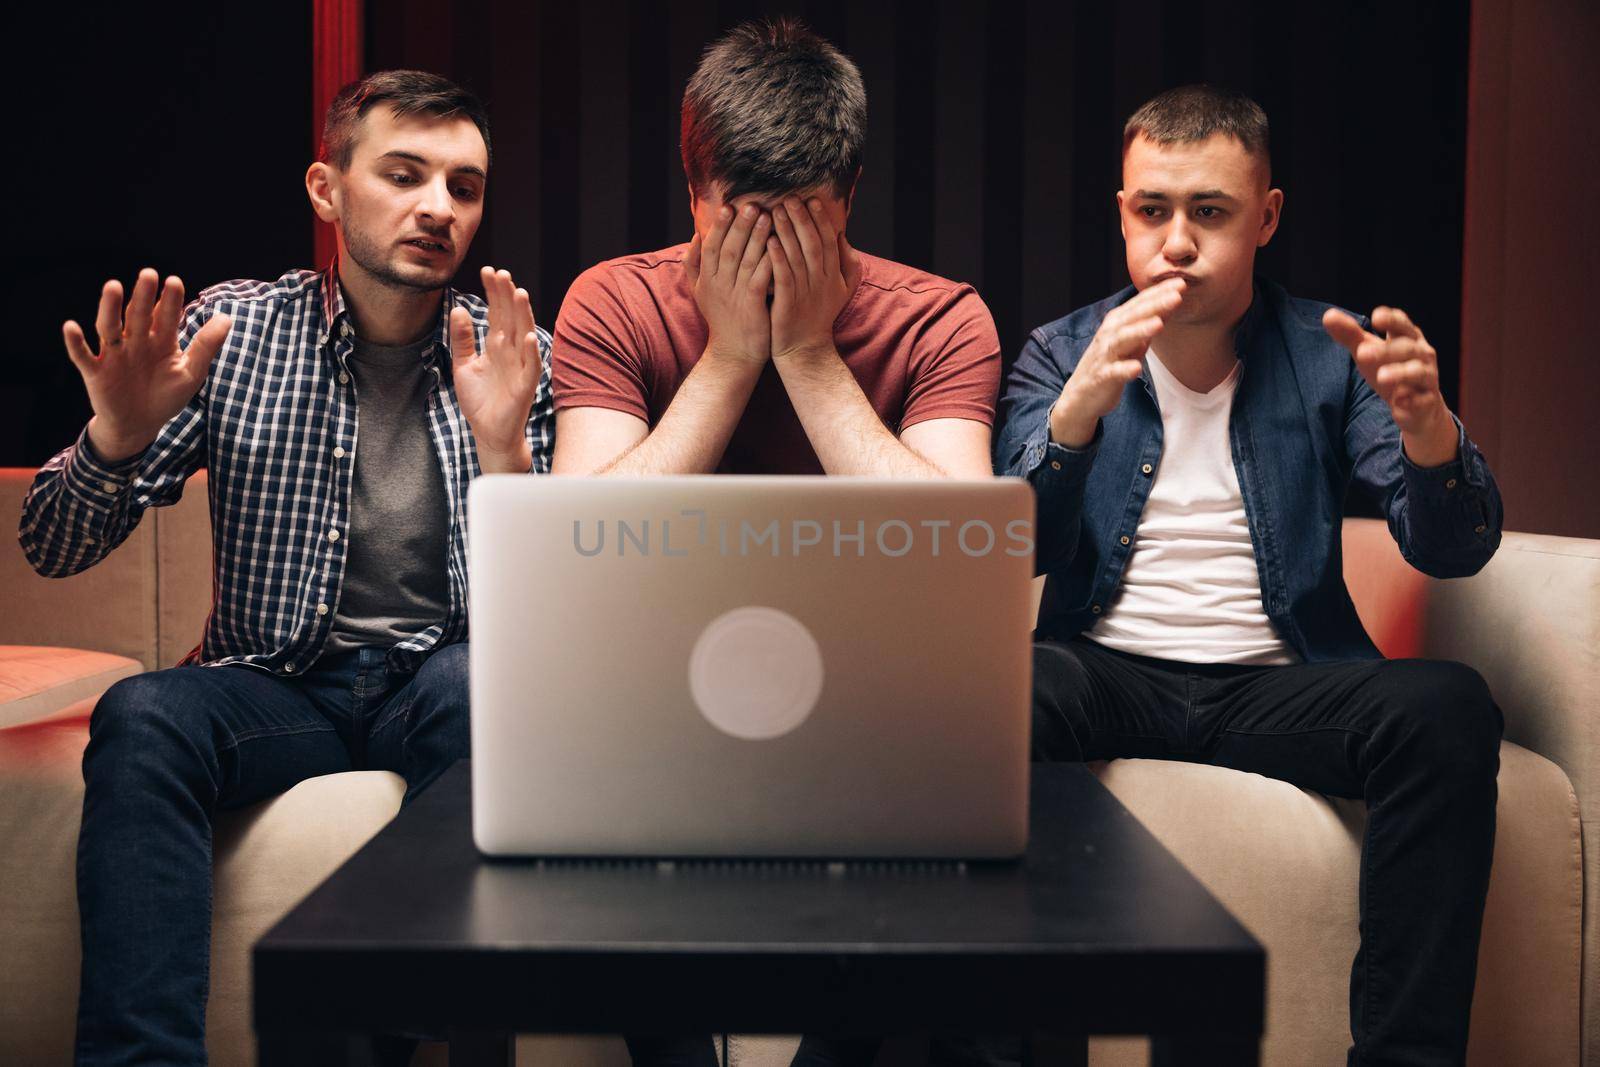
(1188, 279)
(430, 246)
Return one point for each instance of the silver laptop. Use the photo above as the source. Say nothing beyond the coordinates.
(750, 666)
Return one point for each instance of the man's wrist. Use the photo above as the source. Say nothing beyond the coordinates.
(1070, 430)
(806, 352)
(112, 445)
(516, 459)
(1434, 444)
(735, 355)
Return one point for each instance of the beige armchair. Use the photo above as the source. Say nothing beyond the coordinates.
(1284, 860)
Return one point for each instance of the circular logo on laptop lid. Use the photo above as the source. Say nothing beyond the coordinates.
(756, 673)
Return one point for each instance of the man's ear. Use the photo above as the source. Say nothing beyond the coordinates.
(1271, 214)
(323, 189)
(850, 196)
(1122, 221)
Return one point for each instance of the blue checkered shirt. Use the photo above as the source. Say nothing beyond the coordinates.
(275, 424)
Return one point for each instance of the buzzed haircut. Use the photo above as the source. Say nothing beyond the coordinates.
(407, 92)
(1195, 112)
(773, 108)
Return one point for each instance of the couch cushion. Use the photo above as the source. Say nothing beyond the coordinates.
(111, 607)
(268, 857)
(36, 681)
(1285, 861)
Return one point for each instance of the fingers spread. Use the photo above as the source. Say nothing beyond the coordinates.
(778, 263)
(108, 319)
(205, 344)
(805, 230)
(490, 285)
(733, 248)
(524, 305)
(168, 311)
(142, 303)
(762, 276)
(783, 223)
(77, 347)
(711, 254)
(463, 338)
(826, 237)
(755, 248)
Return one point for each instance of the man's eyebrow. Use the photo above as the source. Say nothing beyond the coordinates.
(465, 168)
(1203, 194)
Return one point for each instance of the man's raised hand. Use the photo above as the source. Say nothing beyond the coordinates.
(1113, 359)
(814, 271)
(729, 272)
(140, 378)
(496, 387)
(1403, 369)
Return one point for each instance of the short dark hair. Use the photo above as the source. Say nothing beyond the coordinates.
(773, 108)
(408, 92)
(1195, 112)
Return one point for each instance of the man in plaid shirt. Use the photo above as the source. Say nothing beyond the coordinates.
(341, 416)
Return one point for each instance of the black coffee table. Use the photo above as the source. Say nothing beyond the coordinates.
(1098, 930)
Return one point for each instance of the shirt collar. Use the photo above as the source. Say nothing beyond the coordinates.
(336, 319)
(1244, 335)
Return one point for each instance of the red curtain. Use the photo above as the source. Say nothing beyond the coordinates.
(336, 60)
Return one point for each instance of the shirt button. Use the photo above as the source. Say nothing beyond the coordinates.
(1479, 528)
(333, 535)
(1451, 484)
(1055, 464)
(344, 378)
(110, 487)
(1095, 608)
(288, 668)
(322, 609)
(1146, 468)
(1124, 539)
(338, 451)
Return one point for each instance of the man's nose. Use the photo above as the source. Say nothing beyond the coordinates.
(436, 204)
(1179, 247)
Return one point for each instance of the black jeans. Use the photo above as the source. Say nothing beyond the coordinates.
(169, 749)
(1418, 740)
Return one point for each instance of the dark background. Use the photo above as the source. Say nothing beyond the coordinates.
(176, 135)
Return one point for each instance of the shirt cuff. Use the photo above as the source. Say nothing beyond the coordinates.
(1050, 465)
(95, 481)
(1460, 485)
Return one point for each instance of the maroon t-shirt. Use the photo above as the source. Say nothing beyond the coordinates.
(921, 348)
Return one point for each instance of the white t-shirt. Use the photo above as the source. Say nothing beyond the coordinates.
(1191, 591)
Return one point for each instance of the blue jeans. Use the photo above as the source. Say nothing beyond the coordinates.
(167, 751)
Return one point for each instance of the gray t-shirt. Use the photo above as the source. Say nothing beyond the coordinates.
(394, 579)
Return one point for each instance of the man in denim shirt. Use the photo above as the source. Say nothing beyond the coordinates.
(1190, 440)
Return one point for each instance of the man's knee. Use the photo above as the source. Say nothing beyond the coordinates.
(1446, 708)
(148, 721)
(1060, 685)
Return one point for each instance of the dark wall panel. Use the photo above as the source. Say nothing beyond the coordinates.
(993, 156)
(172, 135)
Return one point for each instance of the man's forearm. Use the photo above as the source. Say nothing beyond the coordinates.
(694, 430)
(844, 430)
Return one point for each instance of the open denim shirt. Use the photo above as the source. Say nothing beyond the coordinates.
(1304, 425)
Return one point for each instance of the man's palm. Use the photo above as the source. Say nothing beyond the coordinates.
(140, 377)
